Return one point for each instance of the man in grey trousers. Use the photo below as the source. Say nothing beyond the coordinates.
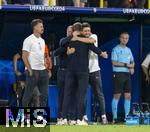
(33, 58)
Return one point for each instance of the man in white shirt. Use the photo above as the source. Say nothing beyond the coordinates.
(33, 58)
(94, 69)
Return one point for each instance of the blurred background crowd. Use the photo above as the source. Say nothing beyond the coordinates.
(83, 3)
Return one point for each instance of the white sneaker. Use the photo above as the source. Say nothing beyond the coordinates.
(59, 121)
(85, 118)
(79, 122)
(72, 122)
(82, 123)
(64, 122)
(104, 121)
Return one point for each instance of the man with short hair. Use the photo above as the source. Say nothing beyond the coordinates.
(94, 69)
(77, 72)
(123, 68)
(33, 56)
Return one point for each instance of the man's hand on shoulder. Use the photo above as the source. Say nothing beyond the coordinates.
(76, 33)
(70, 51)
(75, 38)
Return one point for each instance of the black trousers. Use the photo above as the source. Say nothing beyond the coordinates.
(61, 75)
(39, 79)
(96, 84)
(145, 91)
(75, 94)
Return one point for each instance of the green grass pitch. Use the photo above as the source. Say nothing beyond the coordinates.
(25, 129)
(90, 128)
(100, 128)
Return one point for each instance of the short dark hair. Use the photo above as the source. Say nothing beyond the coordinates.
(85, 24)
(70, 26)
(77, 26)
(35, 22)
(124, 33)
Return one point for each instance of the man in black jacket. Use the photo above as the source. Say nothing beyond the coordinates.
(61, 53)
(77, 72)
